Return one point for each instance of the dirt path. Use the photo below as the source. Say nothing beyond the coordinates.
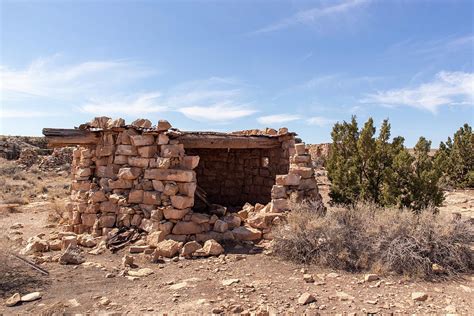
(259, 282)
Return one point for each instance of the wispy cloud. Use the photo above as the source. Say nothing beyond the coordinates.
(144, 103)
(46, 78)
(221, 113)
(278, 118)
(447, 88)
(432, 48)
(321, 14)
(320, 121)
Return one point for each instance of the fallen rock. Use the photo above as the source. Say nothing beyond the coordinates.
(308, 278)
(127, 261)
(419, 296)
(31, 297)
(72, 255)
(34, 245)
(167, 248)
(343, 296)
(210, 248)
(371, 277)
(13, 300)
(178, 286)
(189, 248)
(306, 298)
(246, 233)
(140, 272)
(87, 240)
(230, 282)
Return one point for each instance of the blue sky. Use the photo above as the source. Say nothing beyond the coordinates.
(233, 65)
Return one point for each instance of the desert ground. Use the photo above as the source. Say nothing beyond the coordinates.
(246, 280)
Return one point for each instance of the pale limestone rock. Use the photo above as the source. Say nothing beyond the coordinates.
(13, 300)
(300, 149)
(31, 297)
(175, 214)
(129, 173)
(72, 255)
(34, 245)
(140, 272)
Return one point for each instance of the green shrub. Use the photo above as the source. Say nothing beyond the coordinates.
(455, 159)
(363, 167)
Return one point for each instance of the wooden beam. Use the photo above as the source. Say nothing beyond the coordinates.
(227, 141)
(58, 137)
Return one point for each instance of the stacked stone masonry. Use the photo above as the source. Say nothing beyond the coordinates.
(142, 176)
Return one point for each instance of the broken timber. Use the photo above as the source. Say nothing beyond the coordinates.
(70, 137)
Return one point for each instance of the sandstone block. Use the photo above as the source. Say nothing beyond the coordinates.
(300, 149)
(246, 233)
(182, 202)
(171, 188)
(171, 175)
(189, 248)
(158, 185)
(200, 218)
(279, 205)
(278, 192)
(107, 221)
(83, 172)
(120, 184)
(129, 173)
(147, 151)
(141, 123)
(171, 151)
(232, 221)
(151, 197)
(156, 215)
(210, 248)
(155, 237)
(262, 220)
(163, 125)
(97, 196)
(288, 179)
(167, 248)
(162, 139)
(88, 219)
(190, 162)
(100, 122)
(175, 214)
(103, 151)
(186, 228)
(148, 225)
(220, 226)
(138, 162)
(126, 150)
(304, 172)
(142, 140)
(187, 188)
(120, 160)
(135, 196)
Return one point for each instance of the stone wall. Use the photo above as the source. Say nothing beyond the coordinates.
(142, 176)
(243, 175)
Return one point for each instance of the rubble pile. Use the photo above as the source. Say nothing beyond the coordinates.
(60, 159)
(140, 176)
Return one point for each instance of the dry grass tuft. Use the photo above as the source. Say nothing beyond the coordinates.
(367, 237)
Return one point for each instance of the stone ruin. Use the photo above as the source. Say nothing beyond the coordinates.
(183, 186)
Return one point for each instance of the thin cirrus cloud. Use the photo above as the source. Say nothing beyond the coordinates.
(447, 88)
(278, 118)
(320, 15)
(320, 121)
(46, 78)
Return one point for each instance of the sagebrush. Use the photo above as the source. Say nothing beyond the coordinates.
(370, 238)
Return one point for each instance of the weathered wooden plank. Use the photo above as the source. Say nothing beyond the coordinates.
(66, 137)
(227, 141)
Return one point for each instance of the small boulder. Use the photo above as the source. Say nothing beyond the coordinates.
(31, 297)
(308, 278)
(72, 255)
(167, 248)
(371, 277)
(189, 248)
(419, 296)
(210, 248)
(13, 300)
(140, 272)
(306, 298)
(34, 245)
